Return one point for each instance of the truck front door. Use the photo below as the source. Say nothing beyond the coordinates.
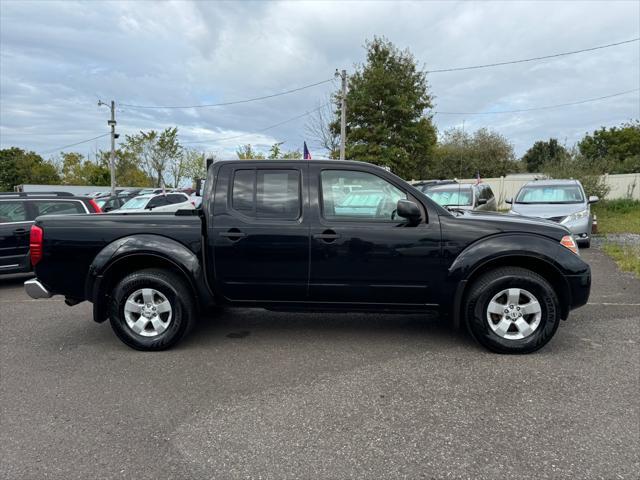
(258, 232)
(361, 252)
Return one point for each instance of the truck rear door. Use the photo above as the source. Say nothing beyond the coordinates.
(259, 232)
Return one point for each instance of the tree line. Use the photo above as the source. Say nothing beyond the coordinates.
(388, 123)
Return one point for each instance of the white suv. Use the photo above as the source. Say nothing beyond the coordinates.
(170, 202)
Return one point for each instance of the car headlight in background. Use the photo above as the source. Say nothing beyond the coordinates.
(576, 216)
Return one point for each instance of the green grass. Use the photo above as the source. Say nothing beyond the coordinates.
(626, 256)
(618, 216)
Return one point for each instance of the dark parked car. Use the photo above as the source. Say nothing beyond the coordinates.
(18, 211)
(284, 235)
(463, 196)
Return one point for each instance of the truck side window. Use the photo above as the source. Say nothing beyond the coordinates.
(266, 193)
(12, 211)
(358, 195)
(242, 193)
(278, 194)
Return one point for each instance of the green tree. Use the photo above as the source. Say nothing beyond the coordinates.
(386, 102)
(276, 153)
(128, 169)
(18, 167)
(542, 153)
(246, 152)
(574, 165)
(462, 154)
(613, 150)
(157, 151)
(194, 165)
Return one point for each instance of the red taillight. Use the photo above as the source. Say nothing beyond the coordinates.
(95, 206)
(35, 244)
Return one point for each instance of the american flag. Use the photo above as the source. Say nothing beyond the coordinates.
(307, 153)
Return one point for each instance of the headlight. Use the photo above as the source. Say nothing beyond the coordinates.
(577, 216)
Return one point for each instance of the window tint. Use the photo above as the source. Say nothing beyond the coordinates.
(275, 194)
(176, 198)
(278, 194)
(242, 194)
(359, 195)
(159, 201)
(57, 207)
(12, 211)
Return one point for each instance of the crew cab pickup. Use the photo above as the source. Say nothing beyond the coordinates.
(312, 235)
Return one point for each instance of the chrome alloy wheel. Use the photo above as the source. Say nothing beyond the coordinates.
(514, 313)
(147, 312)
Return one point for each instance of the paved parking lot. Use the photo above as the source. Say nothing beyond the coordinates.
(256, 394)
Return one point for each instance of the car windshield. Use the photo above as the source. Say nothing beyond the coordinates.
(451, 196)
(135, 203)
(550, 194)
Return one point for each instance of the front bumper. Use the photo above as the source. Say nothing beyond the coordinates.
(35, 289)
(580, 288)
(580, 229)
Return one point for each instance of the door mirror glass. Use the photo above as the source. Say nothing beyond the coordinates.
(593, 199)
(409, 210)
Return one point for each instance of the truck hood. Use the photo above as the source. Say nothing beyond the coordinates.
(515, 223)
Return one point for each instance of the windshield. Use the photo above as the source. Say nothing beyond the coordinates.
(134, 203)
(550, 194)
(451, 196)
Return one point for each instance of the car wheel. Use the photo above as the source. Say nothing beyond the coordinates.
(151, 309)
(512, 310)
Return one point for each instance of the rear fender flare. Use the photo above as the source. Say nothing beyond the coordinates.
(137, 247)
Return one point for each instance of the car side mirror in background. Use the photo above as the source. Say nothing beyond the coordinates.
(482, 201)
(107, 209)
(508, 200)
(593, 199)
(409, 210)
(198, 191)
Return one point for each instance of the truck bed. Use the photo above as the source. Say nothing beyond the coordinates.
(72, 242)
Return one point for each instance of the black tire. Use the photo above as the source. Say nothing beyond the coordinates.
(174, 288)
(492, 283)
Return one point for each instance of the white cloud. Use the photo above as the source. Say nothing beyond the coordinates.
(57, 59)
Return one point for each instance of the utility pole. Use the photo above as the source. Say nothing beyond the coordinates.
(343, 114)
(112, 158)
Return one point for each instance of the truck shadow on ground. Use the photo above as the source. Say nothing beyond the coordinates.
(241, 325)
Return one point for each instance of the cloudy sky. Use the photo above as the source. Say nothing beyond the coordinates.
(58, 58)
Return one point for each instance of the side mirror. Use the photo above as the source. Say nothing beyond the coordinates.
(148, 208)
(593, 199)
(409, 210)
(482, 201)
(107, 209)
(508, 200)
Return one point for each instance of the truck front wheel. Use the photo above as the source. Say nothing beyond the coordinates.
(151, 309)
(512, 310)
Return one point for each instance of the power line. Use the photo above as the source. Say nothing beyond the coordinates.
(74, 144)
(533, 59)
(546, 107)
(217, 140)
(236, 102)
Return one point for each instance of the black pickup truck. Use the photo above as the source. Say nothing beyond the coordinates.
(312, 235)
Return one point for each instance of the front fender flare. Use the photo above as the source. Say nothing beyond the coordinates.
(499, 250)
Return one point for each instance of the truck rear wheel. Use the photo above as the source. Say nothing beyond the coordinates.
(152, 309)
(512, 310)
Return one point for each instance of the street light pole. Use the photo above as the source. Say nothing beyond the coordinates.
(112, 157)
(343, 114)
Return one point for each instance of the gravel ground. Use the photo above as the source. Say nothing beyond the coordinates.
(256, 394)
(619, 238)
